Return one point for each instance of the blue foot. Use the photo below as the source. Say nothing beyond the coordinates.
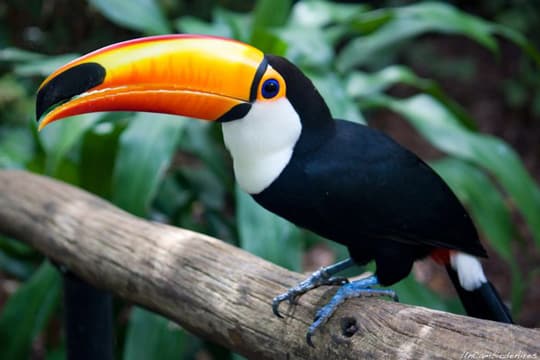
(323, 276)
(354, 289)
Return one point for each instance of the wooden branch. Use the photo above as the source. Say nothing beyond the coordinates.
(223, 293)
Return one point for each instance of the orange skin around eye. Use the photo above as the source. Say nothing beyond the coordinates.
(272, 74)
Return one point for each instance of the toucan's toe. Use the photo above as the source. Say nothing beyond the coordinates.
(320, 277)
(353, 289)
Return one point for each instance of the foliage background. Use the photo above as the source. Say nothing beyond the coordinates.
(459, 84)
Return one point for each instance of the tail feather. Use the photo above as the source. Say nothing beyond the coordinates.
(483, 302)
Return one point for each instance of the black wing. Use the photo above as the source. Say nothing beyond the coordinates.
(367, 185)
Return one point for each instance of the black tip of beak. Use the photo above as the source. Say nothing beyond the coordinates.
(68, 84)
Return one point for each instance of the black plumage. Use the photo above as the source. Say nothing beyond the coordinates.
(356, 186)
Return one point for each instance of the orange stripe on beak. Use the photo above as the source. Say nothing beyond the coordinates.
(197, 76)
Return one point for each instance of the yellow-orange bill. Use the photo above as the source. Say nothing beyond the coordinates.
(198, 76)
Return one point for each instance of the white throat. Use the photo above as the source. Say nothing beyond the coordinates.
(262, 142)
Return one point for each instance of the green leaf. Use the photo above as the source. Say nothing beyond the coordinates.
(443, 130)
(271, 13)
(193, 25)
(268, 42)
(483, 199)
(203, 140)
(17, 258)
(238, 24)
(307, 47)
(27, 312)
(363, 86)
(11, 90)
(43, 67)
(16, 147)
(318, 14)
(20, 269)
(98, 153)
(267, 235)
(145, 150)
(12, 54)
(207, 185)
(139, 15)
(518, 39)
(59, 138)
(151, 336)
(409, 21)
(16, 248)
(57, 353)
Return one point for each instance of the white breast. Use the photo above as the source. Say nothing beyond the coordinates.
(262, 142)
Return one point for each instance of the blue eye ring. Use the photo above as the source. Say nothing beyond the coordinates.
(270, 88)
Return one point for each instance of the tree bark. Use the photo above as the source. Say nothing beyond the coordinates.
(223, 293)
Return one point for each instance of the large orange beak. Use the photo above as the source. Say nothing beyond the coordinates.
(197, 76)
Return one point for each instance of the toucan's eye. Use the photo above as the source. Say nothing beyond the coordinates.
(270, 88)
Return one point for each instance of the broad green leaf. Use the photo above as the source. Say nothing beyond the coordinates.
(207, 185)
(443, 130)
(268, 42)
(57, 354)
(43, 67)
(59, 138)
(409, 21)
(518, 39)
(483, 199)
(193, 25)
(370, 21)
(239, 24)
(12, 54)
(17, 258)
(151, 336)
(322, 13)
(27, 312)
(237, 357)
(362, 86)
(171, 196)
(11, 90)
(16, 147)
(15, 103)
(271, 13)
(203, 140)
(225, 23)
(307, 47)
(98, 153)
(21, 269)
(267, 235)
(16, 248)
(139, 15)
(144, 153)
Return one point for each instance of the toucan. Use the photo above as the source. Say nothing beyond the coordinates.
(341, 180)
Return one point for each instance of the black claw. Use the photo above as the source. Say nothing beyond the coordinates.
(290, 296)
(308, 339)
(275, 308)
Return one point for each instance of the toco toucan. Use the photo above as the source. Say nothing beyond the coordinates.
(342, 180)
